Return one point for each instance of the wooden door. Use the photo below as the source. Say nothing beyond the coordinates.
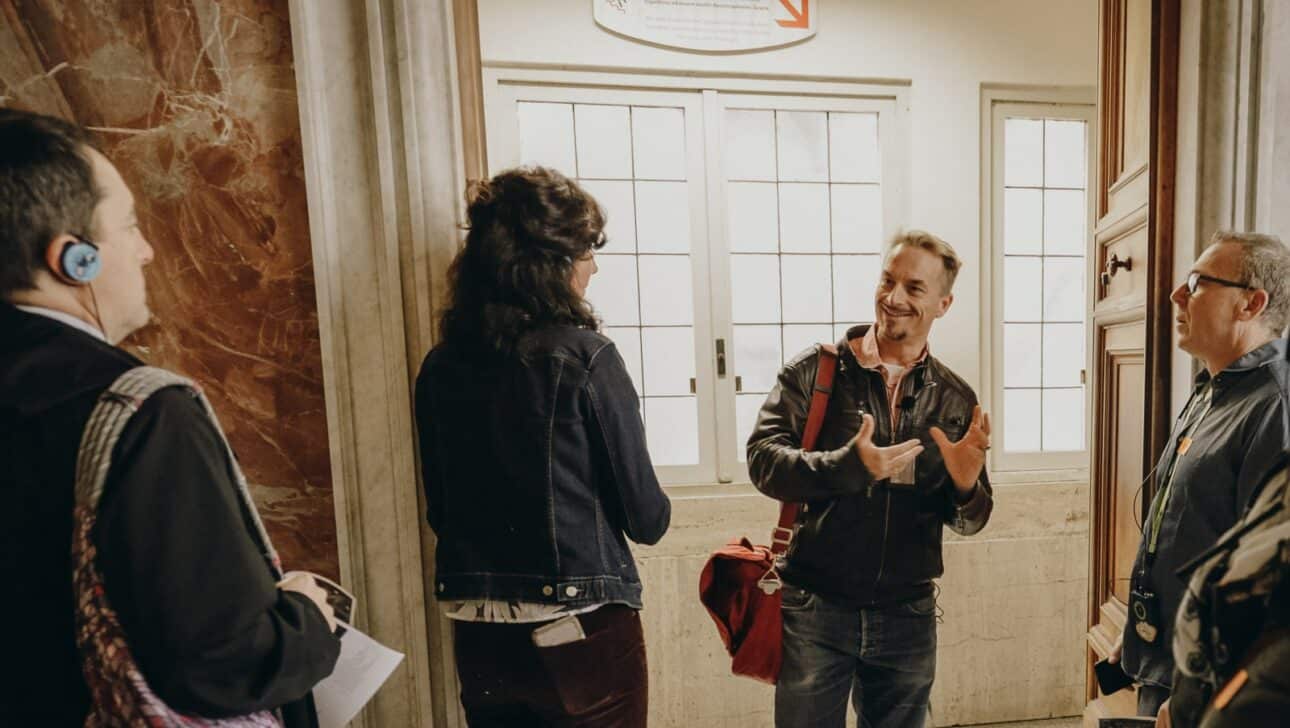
(1132, 246)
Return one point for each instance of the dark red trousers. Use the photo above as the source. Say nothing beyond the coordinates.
(597, 681)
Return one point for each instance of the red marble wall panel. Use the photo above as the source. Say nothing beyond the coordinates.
(195, 102)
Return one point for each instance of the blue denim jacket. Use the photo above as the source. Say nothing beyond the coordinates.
(536, 472)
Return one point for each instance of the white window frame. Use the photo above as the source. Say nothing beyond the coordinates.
(704, 100)
(998, 105)
(892, 146)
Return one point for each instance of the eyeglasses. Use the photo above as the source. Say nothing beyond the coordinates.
(1194, 279)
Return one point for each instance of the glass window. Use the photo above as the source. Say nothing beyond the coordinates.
(633, 160)
(1043, 234)
(812, 276)
(747, 223)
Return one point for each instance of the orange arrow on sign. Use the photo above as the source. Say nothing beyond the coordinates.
(801, 19)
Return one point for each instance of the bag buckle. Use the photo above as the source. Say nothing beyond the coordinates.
(770, 582)
(781, 535)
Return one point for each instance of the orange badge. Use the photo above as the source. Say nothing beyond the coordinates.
(1230, 690)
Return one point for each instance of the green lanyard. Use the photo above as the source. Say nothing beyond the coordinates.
(1199, 406)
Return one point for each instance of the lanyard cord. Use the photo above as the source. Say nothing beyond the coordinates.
(1203, 401)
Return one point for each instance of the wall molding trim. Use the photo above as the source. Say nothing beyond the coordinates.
(381, 133)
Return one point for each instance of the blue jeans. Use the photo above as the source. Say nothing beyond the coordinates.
(883, 657)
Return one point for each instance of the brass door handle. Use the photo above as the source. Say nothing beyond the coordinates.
(1113, 266)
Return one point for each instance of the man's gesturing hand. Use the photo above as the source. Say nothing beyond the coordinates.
(883, 462)
(965, 458)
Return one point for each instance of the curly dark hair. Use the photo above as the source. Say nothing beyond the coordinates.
(527, 226)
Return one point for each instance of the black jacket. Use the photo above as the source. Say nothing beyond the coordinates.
(536, 472)
(864, 542)
(203, 618)
(1234, 447)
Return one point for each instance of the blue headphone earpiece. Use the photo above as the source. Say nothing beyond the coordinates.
(80, 261)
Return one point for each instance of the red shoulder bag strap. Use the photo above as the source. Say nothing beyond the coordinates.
(828, 366)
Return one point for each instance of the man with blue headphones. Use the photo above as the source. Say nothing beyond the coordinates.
(181, 558)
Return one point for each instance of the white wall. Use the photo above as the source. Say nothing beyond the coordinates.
(945, 49)
(1011, 645)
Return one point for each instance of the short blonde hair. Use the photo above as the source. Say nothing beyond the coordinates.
(932, 244)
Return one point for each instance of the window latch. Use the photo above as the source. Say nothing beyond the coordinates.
(721, 358)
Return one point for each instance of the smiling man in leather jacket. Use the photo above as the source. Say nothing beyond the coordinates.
(900, 455)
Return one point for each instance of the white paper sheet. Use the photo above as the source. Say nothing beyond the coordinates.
(364, 666)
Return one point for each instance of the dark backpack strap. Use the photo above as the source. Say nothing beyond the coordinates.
(828, 367)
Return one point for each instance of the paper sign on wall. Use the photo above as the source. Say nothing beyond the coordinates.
(711, 25)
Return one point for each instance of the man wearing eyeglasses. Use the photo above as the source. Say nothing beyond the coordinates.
(1232, 313)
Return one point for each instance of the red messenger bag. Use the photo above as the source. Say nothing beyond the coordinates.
(740, 586)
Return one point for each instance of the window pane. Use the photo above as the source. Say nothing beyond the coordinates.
(669, 359)
(855, 278)
(804, 218)
(752, 216)
(746, 408)
(1063, 289)
(1023, 158)
(806, 289)
(1064, 216)
(840, 330)
(1023, 224)
(666, 290)
(750, 145)
(853, 148)
(757, 356)
(612, 291)
(1064, 419)
(658, 139)
(546, 136)
(1021, 420)
(663, 217)
(799, 337)
(620, 208)
(754, 283)
(1064, 154)
(1063, 354)
(1021, 355)
(802, 143)
(672, 430)
(1022, 279)
(604, 141)
(857, 218)
(628, 342)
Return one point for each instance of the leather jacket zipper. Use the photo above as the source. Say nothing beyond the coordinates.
(886, 517)
(882, 552)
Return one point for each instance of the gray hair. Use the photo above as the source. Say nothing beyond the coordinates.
(1265, 264)
(933, 245)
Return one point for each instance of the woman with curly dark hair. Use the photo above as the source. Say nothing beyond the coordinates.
(535, 468)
